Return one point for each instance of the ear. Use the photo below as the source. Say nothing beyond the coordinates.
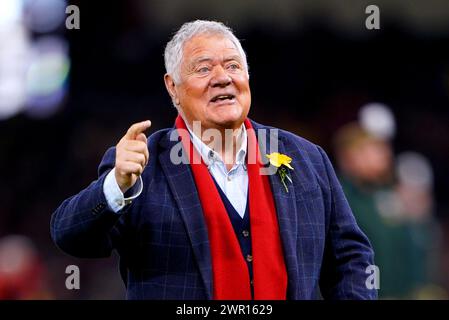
(171, 88)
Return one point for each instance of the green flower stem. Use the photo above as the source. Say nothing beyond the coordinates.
(283, 174)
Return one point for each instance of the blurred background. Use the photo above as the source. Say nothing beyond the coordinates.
(376, 100)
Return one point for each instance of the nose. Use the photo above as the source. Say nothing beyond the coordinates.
(220, 77)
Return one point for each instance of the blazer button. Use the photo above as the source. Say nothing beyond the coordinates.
(249, 258)
(245, 233)
(251, 282)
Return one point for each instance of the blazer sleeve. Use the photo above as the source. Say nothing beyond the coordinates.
(348, 251)
(83, 224)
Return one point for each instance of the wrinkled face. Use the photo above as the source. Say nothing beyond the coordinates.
(214, 86)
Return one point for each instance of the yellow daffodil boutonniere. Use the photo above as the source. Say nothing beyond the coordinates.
(282, 162)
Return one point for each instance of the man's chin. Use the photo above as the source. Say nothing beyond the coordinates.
(229, 119)
(229, 122)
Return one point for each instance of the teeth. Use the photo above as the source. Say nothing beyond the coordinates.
(222, 97)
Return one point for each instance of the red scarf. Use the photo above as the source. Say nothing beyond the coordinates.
(230, 272)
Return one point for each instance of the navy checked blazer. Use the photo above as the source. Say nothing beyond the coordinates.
(162, 237)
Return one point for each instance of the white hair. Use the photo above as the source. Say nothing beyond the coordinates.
(174, 50)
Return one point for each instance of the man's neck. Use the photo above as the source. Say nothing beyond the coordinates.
(226, 143)
(230, 144)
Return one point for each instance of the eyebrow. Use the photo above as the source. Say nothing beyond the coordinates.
(233, 57)
(209, 59)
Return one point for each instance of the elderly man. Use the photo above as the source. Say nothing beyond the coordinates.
(196, 211)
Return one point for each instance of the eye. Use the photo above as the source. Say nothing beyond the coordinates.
(203, 70)
(234, 66)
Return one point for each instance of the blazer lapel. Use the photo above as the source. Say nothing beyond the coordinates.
(285, 208)
(182, 184)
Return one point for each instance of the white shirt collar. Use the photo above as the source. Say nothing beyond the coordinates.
(209, 156)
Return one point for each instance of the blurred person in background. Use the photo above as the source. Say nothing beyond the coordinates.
(394, 212)
(22, 271)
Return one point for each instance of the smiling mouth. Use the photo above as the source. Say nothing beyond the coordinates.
(223, 97)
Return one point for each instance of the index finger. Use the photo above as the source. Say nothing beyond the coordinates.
(137, 128)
